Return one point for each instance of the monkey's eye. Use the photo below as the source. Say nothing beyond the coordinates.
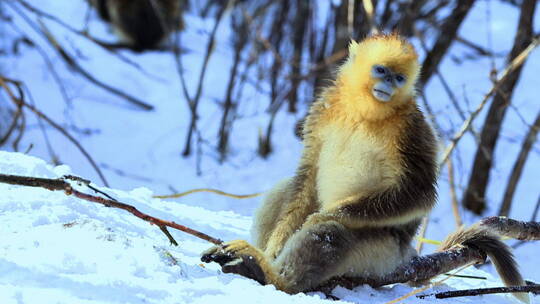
(379, 70)
(400, 79)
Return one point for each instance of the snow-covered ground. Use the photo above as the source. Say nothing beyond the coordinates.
(58, 249)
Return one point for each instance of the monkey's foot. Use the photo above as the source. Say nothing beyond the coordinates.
(237, 257)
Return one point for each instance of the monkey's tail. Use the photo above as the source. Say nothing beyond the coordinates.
(481, 238)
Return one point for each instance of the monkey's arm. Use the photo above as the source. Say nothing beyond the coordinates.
(304, 201)
(410, 197)
(395, 206)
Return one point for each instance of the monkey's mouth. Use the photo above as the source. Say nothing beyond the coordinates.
(381, 95)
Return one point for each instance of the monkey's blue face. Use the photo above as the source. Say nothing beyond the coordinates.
(386, 82)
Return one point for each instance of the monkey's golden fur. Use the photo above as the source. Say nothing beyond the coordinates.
(366, 178)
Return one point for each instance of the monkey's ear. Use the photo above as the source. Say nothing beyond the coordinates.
(353, 48)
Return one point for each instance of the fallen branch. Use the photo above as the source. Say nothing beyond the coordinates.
(519, 230)
(419, 269)
(60, 184)
(482, 291)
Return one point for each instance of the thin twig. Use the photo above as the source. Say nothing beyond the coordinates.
(61, 184)
(453, 195)
(194, 102)
(422, 234)
(110, 47)
(482, 291)
(536, 208)
(20, 101)
(517, 62)
(71, 62)
(215, 191)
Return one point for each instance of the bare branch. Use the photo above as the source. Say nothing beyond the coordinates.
(419, 269)
(453, 195)
(70, 61)
(482, 291)
(517, 62)
(519, 230)
(448, 31)
(194, 102)
(474, 197)
(62, 185)
(19, 101)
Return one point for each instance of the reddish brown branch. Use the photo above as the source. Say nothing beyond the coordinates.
(62, 185)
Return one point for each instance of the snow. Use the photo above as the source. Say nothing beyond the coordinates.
(59, 249)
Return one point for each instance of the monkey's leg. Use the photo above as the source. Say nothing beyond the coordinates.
(310, 257)
(325, 250)
(317, 253)
(269, 212)
(290, 220)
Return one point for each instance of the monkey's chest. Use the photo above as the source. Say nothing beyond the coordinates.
(353, 164)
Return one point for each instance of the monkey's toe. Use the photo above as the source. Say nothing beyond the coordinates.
(246, 266)
(237, 247)
(217, 254)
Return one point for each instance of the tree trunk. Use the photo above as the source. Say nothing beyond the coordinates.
(474, 198)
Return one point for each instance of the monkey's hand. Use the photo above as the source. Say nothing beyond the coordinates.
(241, 258)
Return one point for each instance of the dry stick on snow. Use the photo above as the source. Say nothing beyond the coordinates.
(62, 185)
(517, 62)
(526, 147)
(215, 191)
(19, 101)
(417, 270)
(482, 291)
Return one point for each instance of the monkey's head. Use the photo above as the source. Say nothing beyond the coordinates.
(380, 73)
